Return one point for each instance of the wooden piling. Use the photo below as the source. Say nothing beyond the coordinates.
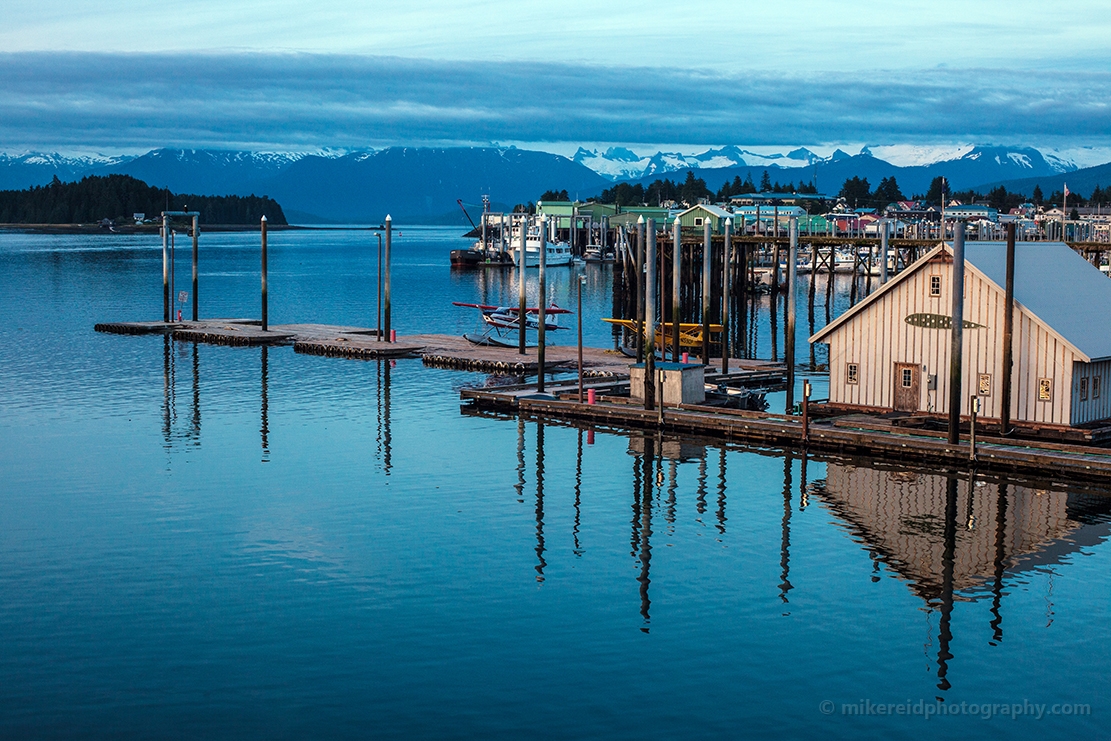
(386, 305)
(265, 318)
(726, 280)
(196, 227)
(706, 255)
(521, 313)
(543, 304)
(639, 286)
(165, 268)
(649, 338)
(957, 346)
(789, 334)
(1008, 336)
(676, 265)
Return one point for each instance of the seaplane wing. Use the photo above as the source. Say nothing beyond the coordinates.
(553, 309)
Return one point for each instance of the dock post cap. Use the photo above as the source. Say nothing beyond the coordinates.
(729, 221)
(640, 219)
(264, 218)
(389, 218)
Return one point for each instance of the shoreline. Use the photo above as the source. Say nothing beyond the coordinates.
(154, 228)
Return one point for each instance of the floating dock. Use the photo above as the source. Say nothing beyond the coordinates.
(857, 434)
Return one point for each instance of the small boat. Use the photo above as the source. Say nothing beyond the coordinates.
(476, 257)
(556, 254)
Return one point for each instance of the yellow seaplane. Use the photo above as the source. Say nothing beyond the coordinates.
(690, 335)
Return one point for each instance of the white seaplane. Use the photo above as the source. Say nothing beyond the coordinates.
(501, 325)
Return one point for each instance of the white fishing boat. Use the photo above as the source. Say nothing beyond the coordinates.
(556, 254)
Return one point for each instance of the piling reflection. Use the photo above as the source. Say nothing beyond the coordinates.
(785, 585)
(385, 429)
(171, 432)
(264, 411)
(540, 562)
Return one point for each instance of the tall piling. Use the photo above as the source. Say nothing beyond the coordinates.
(707, 258)
(957, 346)
(726, 279)
(265, 297)
(789, 334)
(639, 284)
(386, 303)
(196, 226)
(521, 308)
(883, 254)
(1008, 336)
(676, 277)
(543, 304)
(165, 268)
(649, 339)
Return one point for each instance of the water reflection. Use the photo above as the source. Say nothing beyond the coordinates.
(264, 411)
(953, 541)
(171, 432)
(785, 585)
(175, 430)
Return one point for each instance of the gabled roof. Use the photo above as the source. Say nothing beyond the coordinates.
(717, 211)
(1057, 286)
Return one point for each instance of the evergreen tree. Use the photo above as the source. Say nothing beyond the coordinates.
(887, 192)
(856, 191)
(1037, 196)
(765, 183)
(938, 186)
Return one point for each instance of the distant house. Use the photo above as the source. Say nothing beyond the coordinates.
(891, 351)
(138, 218)
(972, 213)
(695, 217)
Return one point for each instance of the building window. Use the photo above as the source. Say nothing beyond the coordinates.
(985, 384)
(935, 285)
(908, 378)
(1083, 389)
(852, 374)
(1095, 387)
(1045, 389)
(698, 221)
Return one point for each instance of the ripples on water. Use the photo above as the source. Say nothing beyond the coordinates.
(209, 541)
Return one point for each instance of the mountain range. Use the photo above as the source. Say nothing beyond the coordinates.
(421, 185)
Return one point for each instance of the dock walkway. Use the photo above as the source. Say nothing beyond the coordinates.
(833, 435)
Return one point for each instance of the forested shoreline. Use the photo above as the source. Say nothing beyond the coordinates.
(117, 198)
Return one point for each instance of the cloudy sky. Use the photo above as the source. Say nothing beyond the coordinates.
(131, 74)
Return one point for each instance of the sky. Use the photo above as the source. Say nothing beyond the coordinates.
(132, 75)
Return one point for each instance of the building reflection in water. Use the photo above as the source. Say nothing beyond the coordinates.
(953, 542)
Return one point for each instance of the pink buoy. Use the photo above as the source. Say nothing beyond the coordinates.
(590, 396)
(686, 357)
(393, 335)
(590, 437)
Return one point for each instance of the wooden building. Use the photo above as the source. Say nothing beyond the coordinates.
(890, 352)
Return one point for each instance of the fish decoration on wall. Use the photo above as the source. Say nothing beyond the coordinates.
(938, 321)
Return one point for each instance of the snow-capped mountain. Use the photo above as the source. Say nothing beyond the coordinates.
(39, 168)
(622, 163)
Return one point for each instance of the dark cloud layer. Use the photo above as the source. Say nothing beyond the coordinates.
(304, 100)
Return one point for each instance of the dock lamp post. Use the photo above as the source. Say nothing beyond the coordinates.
(167, 262)
(579, 282)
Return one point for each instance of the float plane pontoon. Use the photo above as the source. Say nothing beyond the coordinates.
(501, 324)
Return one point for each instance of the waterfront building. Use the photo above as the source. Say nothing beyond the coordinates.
(890, 352)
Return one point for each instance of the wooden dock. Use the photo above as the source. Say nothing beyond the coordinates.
(859, 435)
(435, 350)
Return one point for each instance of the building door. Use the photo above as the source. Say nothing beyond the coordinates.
(906, 387)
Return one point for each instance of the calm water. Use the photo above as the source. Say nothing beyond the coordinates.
(200, 541)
